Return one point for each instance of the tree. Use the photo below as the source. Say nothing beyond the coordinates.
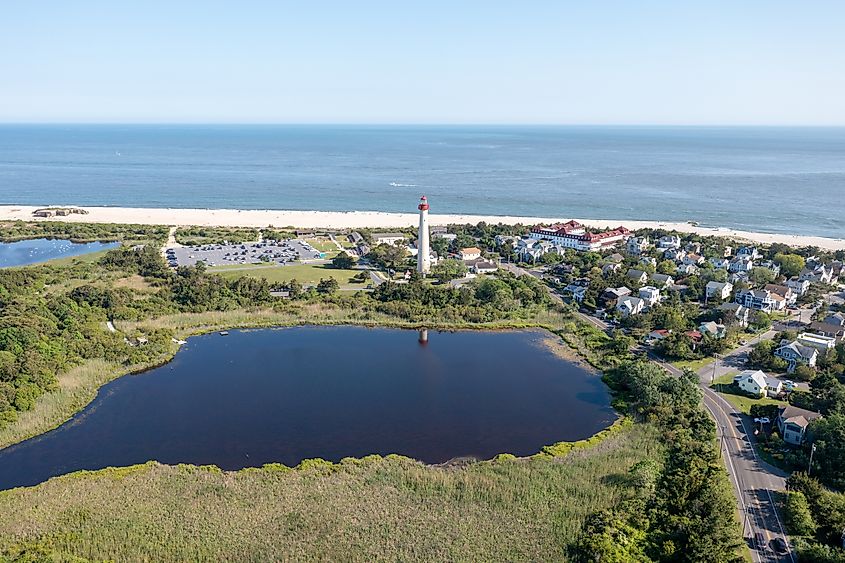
(327, 286)
(666, 267)
(450, 269)
(294, 288)
(343, 261)
(799, 519)
(495, 292)
(759, 321)
(761, 276)
(790, 264)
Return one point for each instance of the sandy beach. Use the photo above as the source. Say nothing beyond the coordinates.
(373, 219)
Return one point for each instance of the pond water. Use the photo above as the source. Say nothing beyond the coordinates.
(284, 395)
(32, 251)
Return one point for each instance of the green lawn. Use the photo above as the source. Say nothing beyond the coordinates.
(304, 273)
(323, 245)
(694, 365)
(741, 403)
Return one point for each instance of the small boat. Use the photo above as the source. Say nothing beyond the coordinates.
(224, 333)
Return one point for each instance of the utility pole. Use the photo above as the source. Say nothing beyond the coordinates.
(715, 363)
(810, 466)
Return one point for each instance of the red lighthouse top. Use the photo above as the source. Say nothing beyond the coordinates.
(423, 206)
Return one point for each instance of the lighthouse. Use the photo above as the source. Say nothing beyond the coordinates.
(423, 259)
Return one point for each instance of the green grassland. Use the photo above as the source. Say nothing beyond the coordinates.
(385, 509)
(303, 273)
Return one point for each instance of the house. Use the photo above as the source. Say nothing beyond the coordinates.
(612, 295)
(741, 264)
(718, 290)
(388, 238)
(675, 254)
(611, 268)
(629, 305)
(615, 258)
(648, 261)
(734, 312)
(501, 240)
(445, 236)
(480, 266)
(355, 238)
(687, 269)
(695, 336)
(720, 263)
(835, 331)
(657, 335)
(817, 341)
(662, 280)
(758, 384)
(637, 276)
(575, 292)
(797, 354)
(713, 329)
(798, 286)
(649, 294)
(792, 423)
(785, 292)
(749, 252)
(760, 300)
(693, 247)
(469, 253)
(771, 266)
(669, 241)
(835, 319)
(819, 274)
(692, 259)
(738, 277)
(637, 245)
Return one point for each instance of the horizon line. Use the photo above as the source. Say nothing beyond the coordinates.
(428, 124)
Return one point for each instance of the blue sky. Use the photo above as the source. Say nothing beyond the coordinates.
(579, 62)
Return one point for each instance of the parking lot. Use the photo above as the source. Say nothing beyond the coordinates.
(283, 252)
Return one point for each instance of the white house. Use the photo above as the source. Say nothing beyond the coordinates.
(649, 294)
(572, 234)
(760, 300)
(817, 341)
(469, 253)
(786, 292)
(630, 306)
(741, 264)
(758, 383)
(720, 290)
(792, 423)
(819, 274)
(749, 252)
(687, 269)
(693, 259)
(675, 254)
(797, 354)
(772, 266)
(638, 245)
(648, 261)
(388, 238)
(798, 286)
(577, 292)
(669, 241)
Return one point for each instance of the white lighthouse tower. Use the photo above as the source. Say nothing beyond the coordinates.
(423, 258)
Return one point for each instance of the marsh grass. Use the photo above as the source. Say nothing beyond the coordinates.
(370, 509)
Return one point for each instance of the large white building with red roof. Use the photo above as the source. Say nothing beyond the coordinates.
(572, 234)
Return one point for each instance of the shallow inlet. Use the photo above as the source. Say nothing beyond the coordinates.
(34, 251)
(284, 395)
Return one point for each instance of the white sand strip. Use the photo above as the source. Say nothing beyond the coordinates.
(373, 219)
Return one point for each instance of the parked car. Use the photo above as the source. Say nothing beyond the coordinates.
(789, 385)
(779, 545)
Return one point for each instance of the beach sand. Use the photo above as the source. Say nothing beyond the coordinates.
(374, 219)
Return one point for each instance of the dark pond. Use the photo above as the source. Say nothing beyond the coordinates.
(285, 395)
(33, 251)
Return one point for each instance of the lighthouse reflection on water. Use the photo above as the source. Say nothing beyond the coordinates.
(423, 339)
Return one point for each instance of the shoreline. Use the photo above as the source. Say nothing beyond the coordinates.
(377, 220)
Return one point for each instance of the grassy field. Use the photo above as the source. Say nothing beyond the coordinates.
(694, 365)
(389, 509)
(304, 273)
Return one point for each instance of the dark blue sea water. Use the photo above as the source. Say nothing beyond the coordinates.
(263, 396)
(757, 178)
(33, 251)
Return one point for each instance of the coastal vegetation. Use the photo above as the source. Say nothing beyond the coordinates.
(633, 493)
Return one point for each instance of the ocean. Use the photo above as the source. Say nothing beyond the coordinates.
(768, 179)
